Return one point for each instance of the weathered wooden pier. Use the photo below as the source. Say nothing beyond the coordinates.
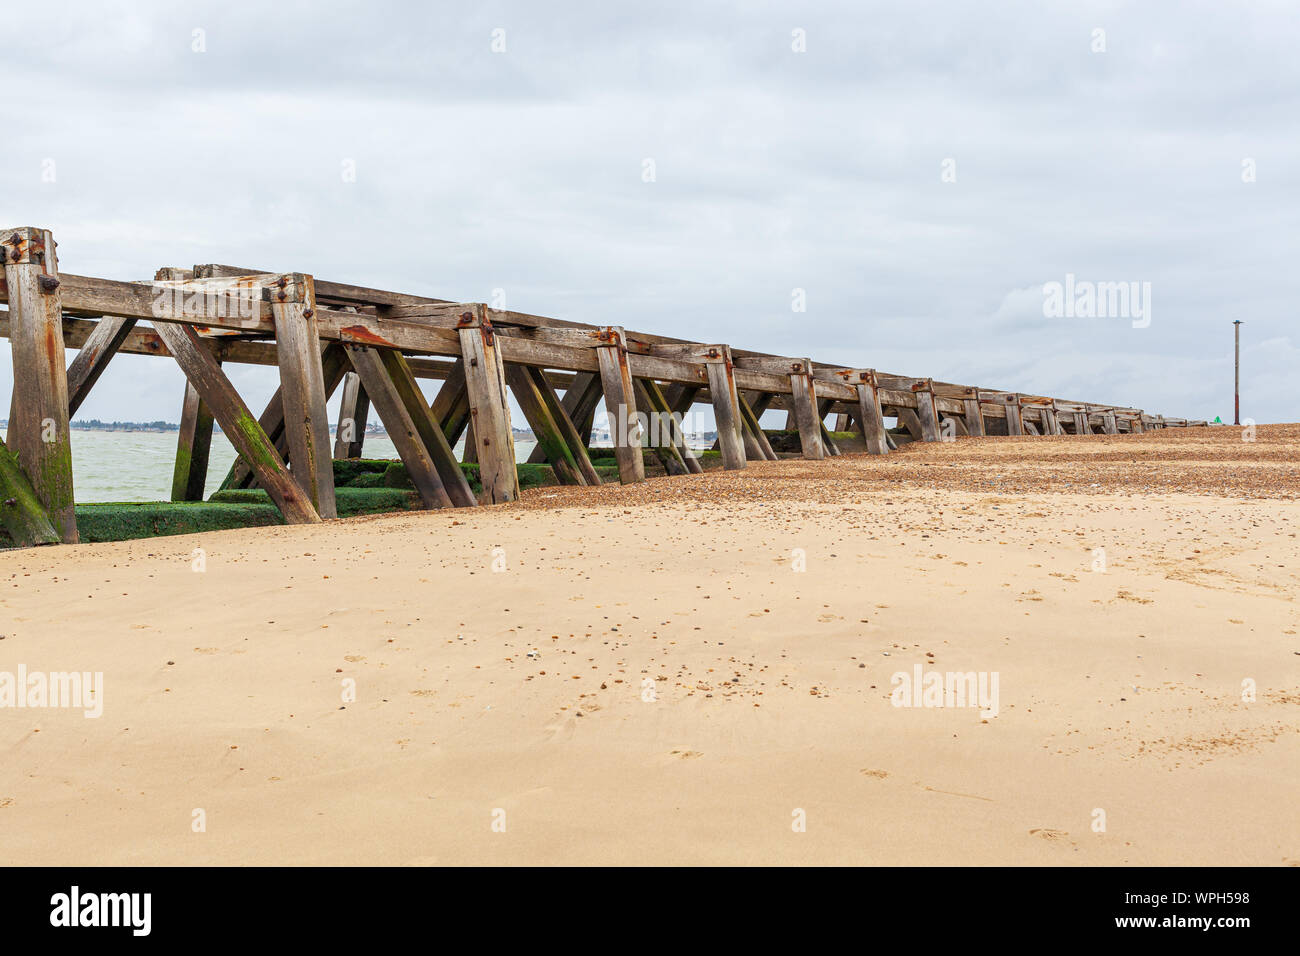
(376, 344)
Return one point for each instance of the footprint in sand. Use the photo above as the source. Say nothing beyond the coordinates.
(878, 774)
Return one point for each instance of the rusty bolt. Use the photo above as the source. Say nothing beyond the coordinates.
(48, 283)
(308, 313)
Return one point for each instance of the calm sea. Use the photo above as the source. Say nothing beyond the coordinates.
(137, 466)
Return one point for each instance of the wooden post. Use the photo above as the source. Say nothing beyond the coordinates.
(1050, 426)
(485, 380)
(726, 403)
(302, 388)
(620, 404)
(1138, 426)
(1015, 423)
(974, 417)
(1081, 426)
(804, 400)
(38, 423)
(237, 422)
(354, 413)
(93, 357)
(22, 514)
(402, 429)
(1109, 425)
(869, 415)
(925, 409)
(545, 428)
(193, 446)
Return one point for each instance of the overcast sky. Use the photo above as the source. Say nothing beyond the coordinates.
(775, 169)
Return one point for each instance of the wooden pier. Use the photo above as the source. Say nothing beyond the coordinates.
(375, 344)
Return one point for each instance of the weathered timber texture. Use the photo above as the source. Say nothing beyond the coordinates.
(193, 356)
(494, 442)
(38, 420)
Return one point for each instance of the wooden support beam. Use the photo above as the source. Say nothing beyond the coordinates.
(451, 405)
(334, 365)
(661, 437)
(38, 420)
(974, 417)
(427, 428)
(824, 406)
(402, 430)
(302, 389)
(580, 401)
(804, 400)
(22, 513)
(757, 445)
(568, 430)
(620, 405)
(485, 380)
(660, 405)
(99, 348)
(926, 413)
(196, 361)
(193, 447)
(726, 404)
(545, 428)
(1109, 425)
(354, 415)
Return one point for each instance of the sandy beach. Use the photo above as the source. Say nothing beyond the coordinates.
(694, 670)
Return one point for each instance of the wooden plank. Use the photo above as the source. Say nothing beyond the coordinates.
(193, 447)
(237, 422)
(354, 414)
(568, 430)
(22, 514)
(427, 429)
(402, 430)
(38, 421)
(302, 390)
(545, 428)
(805, 411)
(620, 407)
(99, 348)
(485, 380)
